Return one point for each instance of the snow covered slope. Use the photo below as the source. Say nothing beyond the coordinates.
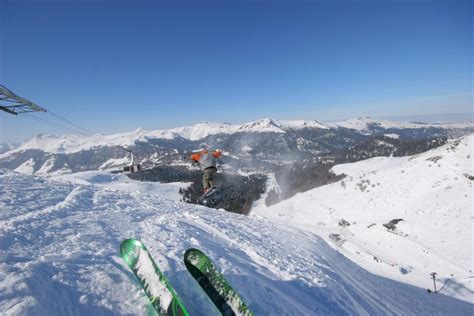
(428, 198)
(366, 123)
(67, 144)
(59, 245)
(7, 146)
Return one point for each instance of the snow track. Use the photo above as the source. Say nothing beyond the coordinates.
(59, 256)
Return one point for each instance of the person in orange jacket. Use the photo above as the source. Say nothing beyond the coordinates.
(208, 164)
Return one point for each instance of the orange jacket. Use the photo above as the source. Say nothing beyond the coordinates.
(197, 156)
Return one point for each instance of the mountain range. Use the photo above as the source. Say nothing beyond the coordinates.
(255, 146)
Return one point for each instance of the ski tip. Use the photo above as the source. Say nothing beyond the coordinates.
(192, 252)
(129, 249)
(130, 242)
(195, 258)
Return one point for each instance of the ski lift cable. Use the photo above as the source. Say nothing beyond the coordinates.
(69, 122)
(59, 126)
(53, 124)
(14, 104)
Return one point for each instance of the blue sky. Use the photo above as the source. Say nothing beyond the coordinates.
(112, 66)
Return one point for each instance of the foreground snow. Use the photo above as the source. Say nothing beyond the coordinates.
(59, 242)
(432, 193)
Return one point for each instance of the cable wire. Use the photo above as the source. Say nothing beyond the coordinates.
(67, 121)
(53, 124)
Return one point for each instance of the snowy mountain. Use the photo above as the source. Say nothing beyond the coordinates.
(259, 145)
(59, 241)
(368, 124)
(398, 217)
(7, 146)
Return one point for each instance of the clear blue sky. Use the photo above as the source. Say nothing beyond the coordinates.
(113, 66)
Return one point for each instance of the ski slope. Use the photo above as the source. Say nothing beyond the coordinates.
(431, 192)
(59, 241)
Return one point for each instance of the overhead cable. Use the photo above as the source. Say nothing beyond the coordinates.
(53, 124)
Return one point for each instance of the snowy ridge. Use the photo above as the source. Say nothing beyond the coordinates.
(201, 130)
(76, 143)
(59, 255)
(7, 146)
(364, 124)
(431, 193)
(302, 124)
(261, 126)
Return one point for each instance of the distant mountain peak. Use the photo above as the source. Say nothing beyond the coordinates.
(262, 125)
(199, 131)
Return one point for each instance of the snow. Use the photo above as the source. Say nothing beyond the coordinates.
(261, 126)
(302, 124)
(28, 167)
(362, 124)
(246, 148)
(394, 136)
(431, 192)
(122, 183)
(271, 185)
(60, 237)
(279, 126)
(4, 147)
(46, 167)
(201, 130)
(114, 163)
(68, 144)
(146, 271)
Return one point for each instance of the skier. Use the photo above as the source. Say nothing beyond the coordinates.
(207, 161)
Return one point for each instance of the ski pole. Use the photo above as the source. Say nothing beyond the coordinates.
(433, 275)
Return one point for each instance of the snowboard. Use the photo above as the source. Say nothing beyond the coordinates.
(161, 294)
(214, 284)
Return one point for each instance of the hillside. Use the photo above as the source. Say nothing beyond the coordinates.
(59, 242)
(254, 146)
(398, 217)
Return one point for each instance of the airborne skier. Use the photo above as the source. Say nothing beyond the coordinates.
(208, 163)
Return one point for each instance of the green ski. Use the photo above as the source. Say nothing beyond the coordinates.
(214, 284)
(158, 289)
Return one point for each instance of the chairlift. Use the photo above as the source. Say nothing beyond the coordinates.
(133, 166)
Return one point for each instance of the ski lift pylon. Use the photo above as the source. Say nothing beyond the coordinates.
(133, 166)
(14, 104)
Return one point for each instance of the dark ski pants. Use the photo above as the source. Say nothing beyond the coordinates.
(208, 177)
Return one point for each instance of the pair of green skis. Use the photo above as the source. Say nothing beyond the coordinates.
(162, 295)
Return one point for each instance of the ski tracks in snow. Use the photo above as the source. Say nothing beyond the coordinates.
(59, 256)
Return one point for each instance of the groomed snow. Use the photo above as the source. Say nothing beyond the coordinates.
(432, 192)
(59, 243)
